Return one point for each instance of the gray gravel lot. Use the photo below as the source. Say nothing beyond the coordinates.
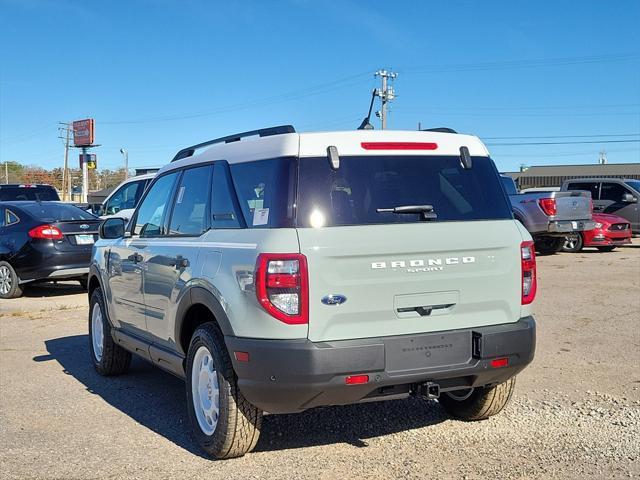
(575, 414)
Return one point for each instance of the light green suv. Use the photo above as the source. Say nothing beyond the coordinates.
(278, 271)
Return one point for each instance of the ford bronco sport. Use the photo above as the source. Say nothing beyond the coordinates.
(290, 271)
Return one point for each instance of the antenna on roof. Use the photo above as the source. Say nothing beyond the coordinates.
(366, 124)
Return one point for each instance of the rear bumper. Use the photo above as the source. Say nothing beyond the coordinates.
(43, 264)
(286, 376)
(568, 226)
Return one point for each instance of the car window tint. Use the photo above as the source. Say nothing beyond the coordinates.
(266, 192)
(592, 187)
(355, 193)
(612, 191)
(54, 211)
(125, 198)
(151, 211)
(189, 210)
(43, 193)
(223, 208)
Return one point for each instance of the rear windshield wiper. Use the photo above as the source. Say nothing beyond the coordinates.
(426, 211)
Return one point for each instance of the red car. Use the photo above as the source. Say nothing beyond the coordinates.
(610, 232)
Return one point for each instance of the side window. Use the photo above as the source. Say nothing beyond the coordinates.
(612, 192)
(126, 197)
(223, 207)
(11, 218)
(593, 187)
(150, 216)
(189, 210)
(2, 217)
(266, 191)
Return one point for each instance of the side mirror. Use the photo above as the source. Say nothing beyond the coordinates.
(112, 228)
(628, 198)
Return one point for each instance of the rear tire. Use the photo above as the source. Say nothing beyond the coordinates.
(224, 423)
(573, 243)
(606, 249)
(548, 245)
(481, 403)
(9, 286)
(107, 356)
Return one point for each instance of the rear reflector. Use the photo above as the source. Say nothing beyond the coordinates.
(398, 146)
(499, 362)
(48, 232)
(356, 379)
(241, 356)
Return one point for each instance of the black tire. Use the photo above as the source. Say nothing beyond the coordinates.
(9, 282)
(113, 360)
(481, 404)
(573, 243)
(548, 245)
(238, 423)
(607, 249)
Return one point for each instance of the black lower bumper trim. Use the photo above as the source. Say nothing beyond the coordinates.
(286, 376)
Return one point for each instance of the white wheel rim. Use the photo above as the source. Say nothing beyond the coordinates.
(5, 280)
(97, 331)
(460, 395)
(205, 390)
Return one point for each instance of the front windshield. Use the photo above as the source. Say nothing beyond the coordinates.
(635, 184)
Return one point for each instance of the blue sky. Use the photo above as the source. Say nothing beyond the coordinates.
(161, 75)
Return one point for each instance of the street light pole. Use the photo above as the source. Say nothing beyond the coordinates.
(125, 154)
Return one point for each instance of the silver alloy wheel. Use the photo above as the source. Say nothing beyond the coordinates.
(97, 331)
(205, 390)
(571, 242)
(460, 395)
(5, 280)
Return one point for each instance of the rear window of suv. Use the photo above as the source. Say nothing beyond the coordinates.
(352, 194)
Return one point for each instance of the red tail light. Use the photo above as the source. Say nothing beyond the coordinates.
(529, 279)
(356, 379)
(548, 206)
(282, 286)
(399, 146)
(500, 362)
(48, 232)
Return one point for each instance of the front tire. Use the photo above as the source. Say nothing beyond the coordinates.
(9, 286)
(107, 356)
(548, 245)
(573, 243)
(224, 423)
(479, 403)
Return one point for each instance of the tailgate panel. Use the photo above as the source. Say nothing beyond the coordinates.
(574, 205)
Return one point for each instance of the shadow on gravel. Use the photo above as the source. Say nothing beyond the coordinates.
(53, 289)
(156, 400)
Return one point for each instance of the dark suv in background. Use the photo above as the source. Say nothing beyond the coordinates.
(616, 196)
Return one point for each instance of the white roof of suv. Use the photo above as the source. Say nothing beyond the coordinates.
(314, 144)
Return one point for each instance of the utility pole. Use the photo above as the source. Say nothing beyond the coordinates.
(603, 158)
(125, 154)
(66, 181)
(386, 94)
(6, 172)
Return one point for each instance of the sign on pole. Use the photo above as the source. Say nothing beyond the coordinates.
(83, 132)
(90, 159)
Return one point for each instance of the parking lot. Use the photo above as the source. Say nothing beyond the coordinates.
(576, 412)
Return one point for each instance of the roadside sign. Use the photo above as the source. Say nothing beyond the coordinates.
(91, 159)
(83, 132)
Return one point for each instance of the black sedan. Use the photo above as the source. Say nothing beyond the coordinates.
(43, 241)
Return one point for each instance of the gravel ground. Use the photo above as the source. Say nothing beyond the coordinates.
(575, 414)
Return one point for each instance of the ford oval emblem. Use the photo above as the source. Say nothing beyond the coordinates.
(84, 226)
(334, 299)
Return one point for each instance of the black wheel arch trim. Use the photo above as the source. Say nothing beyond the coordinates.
(197, 295)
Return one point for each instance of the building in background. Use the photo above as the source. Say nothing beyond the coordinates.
(553, 175)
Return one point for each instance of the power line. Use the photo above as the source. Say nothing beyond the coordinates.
(567, 136)
(563, 143)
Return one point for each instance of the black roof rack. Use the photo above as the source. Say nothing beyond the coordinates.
(440, 129)
(262, 132)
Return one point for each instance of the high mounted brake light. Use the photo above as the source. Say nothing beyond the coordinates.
(282, 286)
(48, 232)
(529, 279)
(399, 145)
(548, 206)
